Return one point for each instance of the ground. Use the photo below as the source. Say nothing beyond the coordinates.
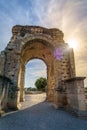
(35, 114)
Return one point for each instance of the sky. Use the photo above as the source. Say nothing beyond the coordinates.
(35, 69)
(70, 16)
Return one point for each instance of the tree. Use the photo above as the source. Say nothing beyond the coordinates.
(41, 84)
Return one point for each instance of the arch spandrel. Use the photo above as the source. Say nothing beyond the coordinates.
(40, 39)
(37, 49)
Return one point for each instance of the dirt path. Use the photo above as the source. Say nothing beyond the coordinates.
(32, 99)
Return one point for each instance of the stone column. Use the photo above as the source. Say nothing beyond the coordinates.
(22, 83)
(48, 82)
(4, 88)
(57, 70)
(76, 96)
(50, 89)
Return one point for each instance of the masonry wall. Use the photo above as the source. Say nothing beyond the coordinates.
(29, 42)
(2, 62)
(4, 92)
(75, 95)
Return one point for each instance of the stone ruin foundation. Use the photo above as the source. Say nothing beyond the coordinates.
(64, 89)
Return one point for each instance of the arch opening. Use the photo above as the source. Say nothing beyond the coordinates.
(36, 50)
(35, 68)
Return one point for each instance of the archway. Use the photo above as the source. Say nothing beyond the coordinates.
(37, 49)
(30, 42)
(35, 69)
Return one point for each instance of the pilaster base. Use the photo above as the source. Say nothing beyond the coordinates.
(22, 99)
(50, 95)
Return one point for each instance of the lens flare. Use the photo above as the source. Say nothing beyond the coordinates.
(58, 53)
(73, 43)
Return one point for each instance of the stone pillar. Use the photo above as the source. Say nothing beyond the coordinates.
(50, 89)
(4, 90)
(48, 83)
(60, 99)
(76, 96)
(57, 80)
(22, 83)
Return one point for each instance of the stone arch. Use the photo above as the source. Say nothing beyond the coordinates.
(48, 41)
(29, 42)
(37, 49)
(20, 50)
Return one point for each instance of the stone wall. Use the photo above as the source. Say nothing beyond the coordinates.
(2, 62)
(4, 92)
(23, 30)
(29, 42)
(76, 100)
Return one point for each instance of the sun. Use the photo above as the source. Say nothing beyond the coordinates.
(73, 43)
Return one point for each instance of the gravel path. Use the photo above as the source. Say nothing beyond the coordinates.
(37, 115)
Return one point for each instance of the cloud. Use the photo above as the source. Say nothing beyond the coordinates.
(11, 13)
(71, 18)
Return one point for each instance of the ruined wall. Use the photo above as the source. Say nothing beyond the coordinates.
(4, 92)
(29, 42)
(23, 34)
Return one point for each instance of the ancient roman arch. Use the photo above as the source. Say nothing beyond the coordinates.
(28, 42)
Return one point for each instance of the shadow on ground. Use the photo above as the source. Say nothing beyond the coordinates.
(41, 117)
